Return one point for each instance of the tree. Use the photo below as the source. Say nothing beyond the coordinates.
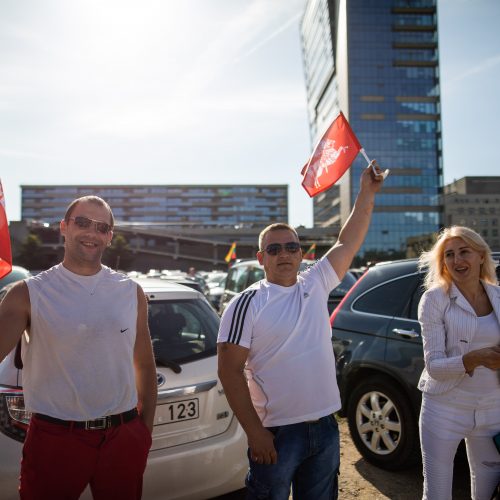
(119, 255)
(31, 253)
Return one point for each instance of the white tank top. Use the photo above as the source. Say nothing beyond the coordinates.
(78, 357)
(483, 379)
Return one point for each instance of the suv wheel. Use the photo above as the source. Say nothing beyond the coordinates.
(382, 424)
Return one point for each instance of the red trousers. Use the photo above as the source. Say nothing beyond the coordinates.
(59, 462)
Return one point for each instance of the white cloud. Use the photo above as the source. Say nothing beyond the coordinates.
(482, 67)
(262, 43)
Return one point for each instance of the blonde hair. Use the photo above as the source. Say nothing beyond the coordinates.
(433, 260)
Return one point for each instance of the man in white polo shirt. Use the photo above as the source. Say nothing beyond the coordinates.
(89, 374)
(276, 361)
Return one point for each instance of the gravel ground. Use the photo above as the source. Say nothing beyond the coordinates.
(360, 480)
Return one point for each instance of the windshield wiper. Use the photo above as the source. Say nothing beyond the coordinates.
(175, 367)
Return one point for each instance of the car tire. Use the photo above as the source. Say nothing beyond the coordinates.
(382, 424)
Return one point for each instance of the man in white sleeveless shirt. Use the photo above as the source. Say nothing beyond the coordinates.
(276, 361)
(89, 374)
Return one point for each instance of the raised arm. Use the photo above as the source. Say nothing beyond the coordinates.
(144, 363)
(14, 317)
(232, 360)
(353, 232)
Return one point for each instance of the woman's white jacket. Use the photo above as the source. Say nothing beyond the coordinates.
(448, 324)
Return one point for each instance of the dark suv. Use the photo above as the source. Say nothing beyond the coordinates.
(379, 359)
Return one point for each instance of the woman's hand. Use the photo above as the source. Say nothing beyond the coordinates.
(487, 356)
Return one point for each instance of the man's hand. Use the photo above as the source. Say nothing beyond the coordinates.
(370, 180)
(261, 444)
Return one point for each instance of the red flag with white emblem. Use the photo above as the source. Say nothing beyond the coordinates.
(333, 155)
(5, 251)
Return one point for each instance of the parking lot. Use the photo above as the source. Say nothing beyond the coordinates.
(360, 480)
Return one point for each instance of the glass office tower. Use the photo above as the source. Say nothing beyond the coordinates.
(377, 61)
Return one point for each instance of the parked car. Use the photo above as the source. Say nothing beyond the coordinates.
(338, 293)
(17, 273)
(216, 287)
(245, 273)
(241, 275)
(199, 449)
(379, 358)
(183, 280)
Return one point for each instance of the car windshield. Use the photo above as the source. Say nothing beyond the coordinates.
(182, 330)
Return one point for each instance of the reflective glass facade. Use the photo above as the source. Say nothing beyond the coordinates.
(242, 205)
(387, 83)
(318, 37)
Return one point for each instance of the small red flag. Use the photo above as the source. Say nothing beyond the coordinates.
(333, 155)
(5, 251)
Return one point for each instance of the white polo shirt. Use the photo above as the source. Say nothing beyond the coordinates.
(291, 366)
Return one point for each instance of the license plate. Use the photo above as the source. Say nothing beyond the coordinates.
(181, 410)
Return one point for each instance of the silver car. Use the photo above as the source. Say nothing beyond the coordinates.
(199, 449)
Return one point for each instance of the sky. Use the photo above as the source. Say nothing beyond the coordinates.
(201, 92)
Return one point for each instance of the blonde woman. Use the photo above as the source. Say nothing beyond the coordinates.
(460, 318)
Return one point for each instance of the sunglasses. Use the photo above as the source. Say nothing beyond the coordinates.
(276, 248)
(85, 223)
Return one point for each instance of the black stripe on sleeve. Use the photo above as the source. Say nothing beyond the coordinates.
(235, 313)
(238, 318)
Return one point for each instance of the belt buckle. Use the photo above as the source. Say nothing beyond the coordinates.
(97, 424)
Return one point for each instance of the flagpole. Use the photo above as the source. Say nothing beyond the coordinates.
(385, 173)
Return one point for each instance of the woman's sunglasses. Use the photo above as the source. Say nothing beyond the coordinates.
(276, 248)
(85, 223)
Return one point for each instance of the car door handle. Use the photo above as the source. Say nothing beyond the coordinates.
(408, 334)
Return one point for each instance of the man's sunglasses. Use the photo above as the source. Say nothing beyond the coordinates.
(85, 223)
(276, 248)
